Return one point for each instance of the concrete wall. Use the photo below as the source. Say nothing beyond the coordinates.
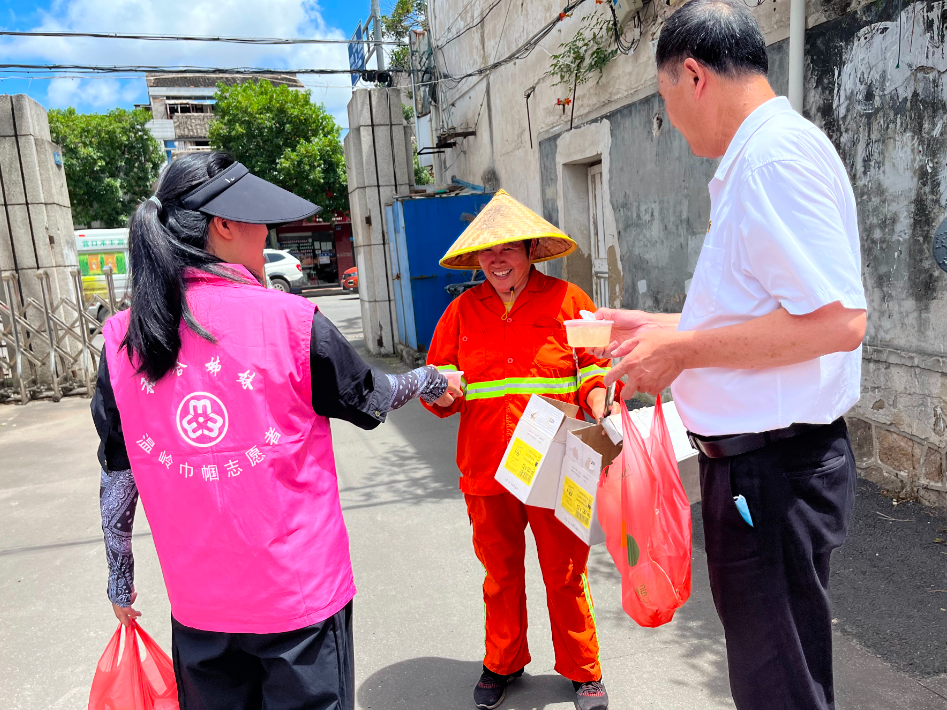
(36, 230)
(379, 165)
(886, 117)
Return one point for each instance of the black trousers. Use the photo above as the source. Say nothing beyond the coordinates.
(308, 669)
(770, 581)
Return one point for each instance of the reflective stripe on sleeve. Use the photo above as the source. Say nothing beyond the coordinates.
(520, 385)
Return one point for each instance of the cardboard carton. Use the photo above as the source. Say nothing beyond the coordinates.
(588, 451)
(530, 466)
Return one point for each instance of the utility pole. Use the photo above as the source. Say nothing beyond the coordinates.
(376, 23)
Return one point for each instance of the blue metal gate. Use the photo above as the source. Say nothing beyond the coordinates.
(422, 230)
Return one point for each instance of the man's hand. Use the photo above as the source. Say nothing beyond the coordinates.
(447, 399)
(651, 361)
(628, 324)
(125, 614)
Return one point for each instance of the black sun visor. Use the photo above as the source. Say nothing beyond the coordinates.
(238, 195)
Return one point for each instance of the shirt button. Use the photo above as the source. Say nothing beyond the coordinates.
(510, 361)
(464, 338)
(509, 320)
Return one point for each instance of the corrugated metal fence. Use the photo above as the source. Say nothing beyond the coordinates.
(50, 349)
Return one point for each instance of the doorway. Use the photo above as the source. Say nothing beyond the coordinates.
(597, 234)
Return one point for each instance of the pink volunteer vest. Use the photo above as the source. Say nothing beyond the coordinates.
(235, 469)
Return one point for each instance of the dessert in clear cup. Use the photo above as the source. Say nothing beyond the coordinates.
(588, 333)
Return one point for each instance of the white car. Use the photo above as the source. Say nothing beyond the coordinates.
(284, 271)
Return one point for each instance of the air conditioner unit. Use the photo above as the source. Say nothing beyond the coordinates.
(625, 10)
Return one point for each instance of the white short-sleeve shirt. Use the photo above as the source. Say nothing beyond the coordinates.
(783, 233)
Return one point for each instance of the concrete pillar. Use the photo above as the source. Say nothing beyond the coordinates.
(379, 164)
(36, 230)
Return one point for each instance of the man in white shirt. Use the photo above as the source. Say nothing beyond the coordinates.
(765, 357)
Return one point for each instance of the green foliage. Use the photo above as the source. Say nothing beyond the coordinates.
(281, 136)
(408, 112)
(588, 52)
(405, 16)
(111, 162)
(421, 174)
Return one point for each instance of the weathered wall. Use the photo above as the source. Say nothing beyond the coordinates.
(884, 114)
(658, 192)
(876, 83)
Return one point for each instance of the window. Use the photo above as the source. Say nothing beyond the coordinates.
(274, 256)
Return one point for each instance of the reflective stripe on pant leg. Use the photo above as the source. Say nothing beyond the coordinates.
(562, 558)
(499, 526)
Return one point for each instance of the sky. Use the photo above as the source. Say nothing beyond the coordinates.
(330, 19)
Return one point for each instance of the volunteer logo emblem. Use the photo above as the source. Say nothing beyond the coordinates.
(202, 419)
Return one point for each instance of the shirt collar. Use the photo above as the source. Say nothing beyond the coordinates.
(239, 270)
(751, 124)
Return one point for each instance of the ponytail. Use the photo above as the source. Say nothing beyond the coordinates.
(165, 239)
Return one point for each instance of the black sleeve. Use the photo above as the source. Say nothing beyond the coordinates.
(108, 423)
(343, 385)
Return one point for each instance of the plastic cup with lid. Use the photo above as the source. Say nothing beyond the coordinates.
(588, 333)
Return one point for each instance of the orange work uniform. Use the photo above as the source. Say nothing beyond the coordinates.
(505, 359)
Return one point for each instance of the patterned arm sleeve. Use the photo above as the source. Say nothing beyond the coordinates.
(424, 382)
(118, 499)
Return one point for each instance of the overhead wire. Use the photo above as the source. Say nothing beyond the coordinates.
(473, 26)
(624, 46)
(140, 69)
(450, 25)
(195, 38)
(527, 47)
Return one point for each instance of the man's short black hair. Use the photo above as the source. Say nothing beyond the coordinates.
(720, 34)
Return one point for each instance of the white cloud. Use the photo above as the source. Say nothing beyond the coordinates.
(274, 18)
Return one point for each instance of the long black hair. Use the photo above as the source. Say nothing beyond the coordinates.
(164, 240)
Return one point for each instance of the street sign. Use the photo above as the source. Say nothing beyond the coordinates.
(357, 55)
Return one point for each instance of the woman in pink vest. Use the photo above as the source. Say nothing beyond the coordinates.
(213, 402)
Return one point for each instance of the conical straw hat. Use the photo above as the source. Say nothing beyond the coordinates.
(505, 220)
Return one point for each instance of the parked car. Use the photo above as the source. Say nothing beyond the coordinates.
(350, 280)
(284, 271)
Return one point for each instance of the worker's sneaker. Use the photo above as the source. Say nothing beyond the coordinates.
(491, 689)
(590, 695)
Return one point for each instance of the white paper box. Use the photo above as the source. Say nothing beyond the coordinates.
(588, 450)
(530, 465)
(686, 454)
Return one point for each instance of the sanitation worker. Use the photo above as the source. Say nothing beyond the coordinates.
(508, 338)
(213, 402)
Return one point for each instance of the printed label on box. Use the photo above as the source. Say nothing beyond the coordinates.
(523, 461)
(576, 502)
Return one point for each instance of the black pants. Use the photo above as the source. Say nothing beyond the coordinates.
(770, 581)
(307, 669)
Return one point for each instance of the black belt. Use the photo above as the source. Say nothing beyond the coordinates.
(721, 447)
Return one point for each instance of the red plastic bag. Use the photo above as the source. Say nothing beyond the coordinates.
(647, 522)
(124, 680)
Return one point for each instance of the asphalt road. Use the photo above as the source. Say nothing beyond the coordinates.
(419, 610)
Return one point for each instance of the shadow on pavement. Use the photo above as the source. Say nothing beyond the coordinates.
(447, 684)
(400, 468)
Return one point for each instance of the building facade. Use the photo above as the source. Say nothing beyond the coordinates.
(182, 106)
(603, 162)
